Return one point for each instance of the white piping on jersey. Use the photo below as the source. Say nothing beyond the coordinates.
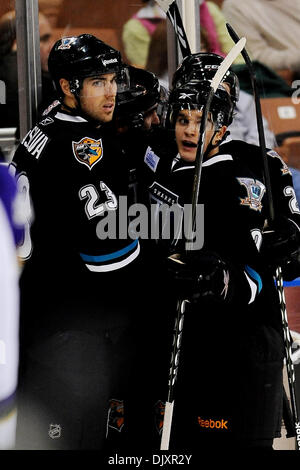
(210, 161)
(176, 160)
(114, 266)
(217, 159)
(68, 117)
(185, 168)
(253, 288)
(295, 224)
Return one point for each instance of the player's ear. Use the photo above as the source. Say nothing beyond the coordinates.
(220, 134)
(65, 86)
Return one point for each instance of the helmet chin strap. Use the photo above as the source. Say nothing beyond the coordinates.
(75, 86)
(212, 146)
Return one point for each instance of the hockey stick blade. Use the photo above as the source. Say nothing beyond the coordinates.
(220, 73)
(227, 62)
(165, 438)
(171, 9)
(165, 4)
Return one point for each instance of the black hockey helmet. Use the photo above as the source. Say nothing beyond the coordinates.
(145, 93)
(77, 57)
(193, 95)
(203, 66)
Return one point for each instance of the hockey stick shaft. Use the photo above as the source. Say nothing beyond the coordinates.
(278, 274)
(171, 9)
(259, 119)
(177, 338)
(288, 355)
(223, 68)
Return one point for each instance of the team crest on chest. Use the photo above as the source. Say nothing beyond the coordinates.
(88, 151)
(255, 190)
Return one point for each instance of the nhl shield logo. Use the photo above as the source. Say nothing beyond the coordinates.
(255, 190)
(88, 151)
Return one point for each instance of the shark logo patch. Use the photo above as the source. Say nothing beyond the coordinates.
(88, 151)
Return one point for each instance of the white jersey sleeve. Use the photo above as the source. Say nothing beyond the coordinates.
(9, 331)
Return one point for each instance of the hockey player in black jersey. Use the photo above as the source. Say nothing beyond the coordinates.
(81, 288)
(137, 106)
(229, 391)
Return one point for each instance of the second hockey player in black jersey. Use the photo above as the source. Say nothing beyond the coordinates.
(229, 391)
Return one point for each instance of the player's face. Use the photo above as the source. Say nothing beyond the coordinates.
(98, 97)
(151, 118)
(187, 133)
(46, 42)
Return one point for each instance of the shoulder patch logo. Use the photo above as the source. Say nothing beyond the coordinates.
(88, 151)
(151, 159)
(46, 121)
(285, 169)
(255, 190)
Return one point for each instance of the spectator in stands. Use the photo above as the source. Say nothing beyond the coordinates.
(51, 9)
(139, 29)
(8, 65)
(244, 126)
(157, 61)
(137, 32)
(272, 29)
(214, 25)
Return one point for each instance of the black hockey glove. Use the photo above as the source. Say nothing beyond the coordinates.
(199, 274)
(281, 247)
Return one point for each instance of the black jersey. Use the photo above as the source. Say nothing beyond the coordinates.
(82, 294)
(247, 158)
(283, 194)
(232, 199)
(232, 355)
(74, 176)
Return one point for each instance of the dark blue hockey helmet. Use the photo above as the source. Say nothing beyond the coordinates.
(77, 57)
(143, 95)
(193, 95)
(202, 66)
